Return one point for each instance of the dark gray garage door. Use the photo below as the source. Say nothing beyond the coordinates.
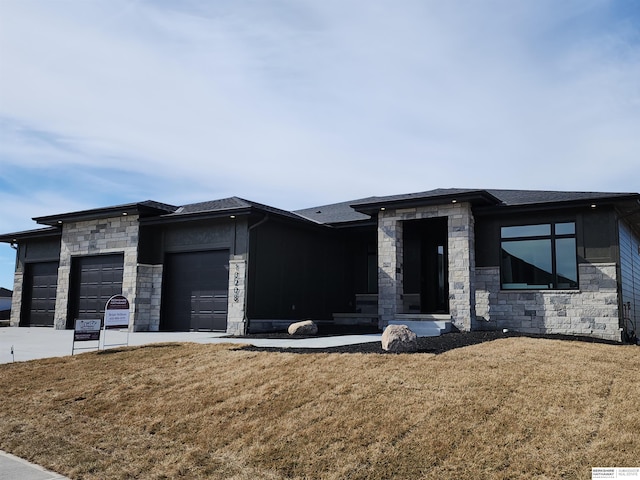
(195, 289)
(39, 301)
(94, 280)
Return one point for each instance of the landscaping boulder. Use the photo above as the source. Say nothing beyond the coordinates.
(399, 338)
(307, 327)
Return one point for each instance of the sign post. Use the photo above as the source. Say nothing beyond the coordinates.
(116, 315)
(86, 331)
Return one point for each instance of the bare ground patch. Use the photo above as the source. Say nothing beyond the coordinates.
(509, 408)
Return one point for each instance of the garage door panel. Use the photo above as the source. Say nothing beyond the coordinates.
(39, 302)
(195, 291)
(42, 305)
(95, 280)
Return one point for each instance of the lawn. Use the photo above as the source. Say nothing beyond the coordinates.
(511, 408)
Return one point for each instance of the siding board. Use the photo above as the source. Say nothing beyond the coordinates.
(630, 273)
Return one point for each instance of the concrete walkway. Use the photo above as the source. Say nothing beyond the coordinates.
(14, 468)
(19, 344)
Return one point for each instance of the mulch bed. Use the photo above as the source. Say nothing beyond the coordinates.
(437, 345)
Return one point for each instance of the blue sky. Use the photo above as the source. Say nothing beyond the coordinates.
(302, 103)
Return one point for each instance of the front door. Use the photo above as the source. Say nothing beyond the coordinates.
(425, 280)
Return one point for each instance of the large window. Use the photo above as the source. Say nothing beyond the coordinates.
(539, 256)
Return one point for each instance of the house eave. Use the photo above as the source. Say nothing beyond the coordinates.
(591, 203)
(17, 237)
(476, 198)
(140, 208)
(226, 214)
(196, 216)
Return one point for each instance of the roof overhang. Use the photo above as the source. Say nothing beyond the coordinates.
(142, 209)
(626, 202)
(226, 214)
(629, 212)
(369, 222)
(18, 237)
(475, 198)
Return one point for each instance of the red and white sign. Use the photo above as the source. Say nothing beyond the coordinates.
(116, 312)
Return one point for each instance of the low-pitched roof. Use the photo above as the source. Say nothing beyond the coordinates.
(336, 213)
(361, 210)
(30, 234)
(490, 197)
(224, 207)
(433, 197)
(531, 197)
(148, 207)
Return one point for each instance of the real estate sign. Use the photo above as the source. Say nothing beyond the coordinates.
(116, 312)
(86, 330)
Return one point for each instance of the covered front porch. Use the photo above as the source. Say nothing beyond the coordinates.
(425, 265)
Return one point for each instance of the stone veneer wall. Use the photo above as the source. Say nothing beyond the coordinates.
(149, 298)
(390, 251)
(16, 297)
(460, 253)
(236, 311)
(96, 237)
(592, 310)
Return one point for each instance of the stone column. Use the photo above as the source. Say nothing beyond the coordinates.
(461, 266)
(62, 293)
(16, 298)
(236, 312)
(390, 251)
(148, 298)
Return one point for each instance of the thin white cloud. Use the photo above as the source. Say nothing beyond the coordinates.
(340, 98)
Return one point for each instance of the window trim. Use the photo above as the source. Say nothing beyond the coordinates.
(552, 237)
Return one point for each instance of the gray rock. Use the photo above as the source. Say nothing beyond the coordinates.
(307, 327)
(399, 338)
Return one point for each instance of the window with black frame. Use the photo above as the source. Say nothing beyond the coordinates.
(539, 257)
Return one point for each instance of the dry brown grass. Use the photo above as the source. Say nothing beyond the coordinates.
(512, 408)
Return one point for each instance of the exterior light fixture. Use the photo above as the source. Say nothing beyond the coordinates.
(454, 201)
(382, 209)
(124, 214)
(593, 205)
(59, 222)
(232, 216)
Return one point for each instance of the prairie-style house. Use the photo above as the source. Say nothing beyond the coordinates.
(466, 259)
